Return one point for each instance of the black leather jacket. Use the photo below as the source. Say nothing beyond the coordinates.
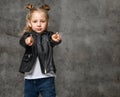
(42, 48)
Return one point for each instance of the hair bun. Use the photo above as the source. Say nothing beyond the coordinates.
(29, 6)
(46, 7)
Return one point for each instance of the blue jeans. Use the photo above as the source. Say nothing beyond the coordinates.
(44, 86)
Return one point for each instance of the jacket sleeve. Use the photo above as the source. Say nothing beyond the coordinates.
(52, 42)
(22, 39)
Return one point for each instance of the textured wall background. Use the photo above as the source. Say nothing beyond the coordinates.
(88, 59)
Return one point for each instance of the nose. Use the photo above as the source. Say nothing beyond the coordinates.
(38, 24)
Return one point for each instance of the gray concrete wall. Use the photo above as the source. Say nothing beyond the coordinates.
(87, 60)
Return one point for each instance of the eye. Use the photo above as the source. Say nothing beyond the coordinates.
(35, 21)
(42, 21)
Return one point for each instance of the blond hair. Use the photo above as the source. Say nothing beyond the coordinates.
(44, 8)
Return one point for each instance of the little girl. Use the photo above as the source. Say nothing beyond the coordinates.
(38, 63)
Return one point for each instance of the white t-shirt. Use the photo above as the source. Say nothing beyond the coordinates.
(36, 72)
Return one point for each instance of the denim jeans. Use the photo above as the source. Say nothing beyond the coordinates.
(44, 86)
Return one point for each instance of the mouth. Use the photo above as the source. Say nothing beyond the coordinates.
(38, 29)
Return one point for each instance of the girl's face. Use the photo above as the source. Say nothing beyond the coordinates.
(38, 22)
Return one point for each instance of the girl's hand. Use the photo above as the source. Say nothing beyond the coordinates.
(56, 37)
(29, 41)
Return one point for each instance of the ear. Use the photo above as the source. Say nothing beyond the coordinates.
(29, 24)
(48, 23)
